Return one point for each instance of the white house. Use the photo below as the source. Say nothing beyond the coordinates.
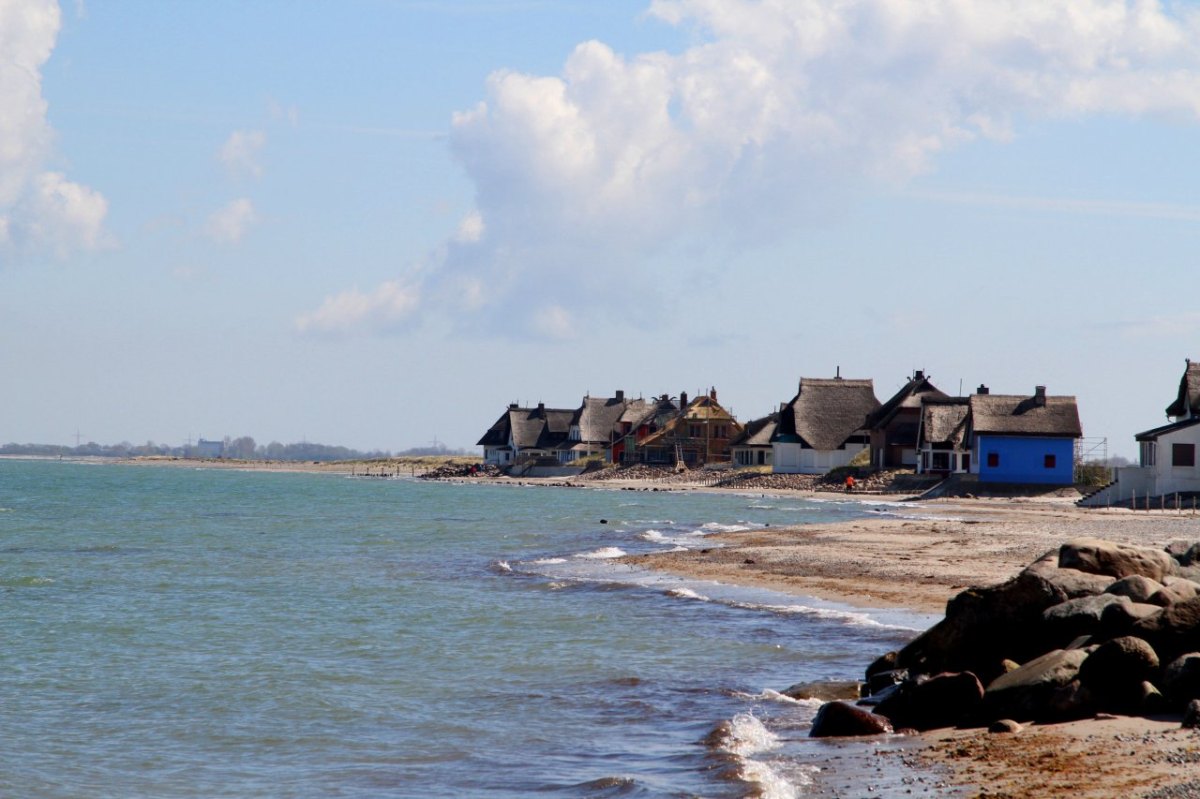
(824, 426)
(1168, 464)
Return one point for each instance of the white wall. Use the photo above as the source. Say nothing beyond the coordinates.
(794, 459)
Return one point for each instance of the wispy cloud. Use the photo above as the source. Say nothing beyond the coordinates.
(386, 307)
(228, 224)
(240, 153)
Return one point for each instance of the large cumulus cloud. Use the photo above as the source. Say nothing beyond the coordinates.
(40, 209)
(778, 114)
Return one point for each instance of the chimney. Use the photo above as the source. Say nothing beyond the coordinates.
(512, 406)
(541, 409)
(919, 374)
(620, 395)
(982, 389)
(712, 394)
(838, 376)
(1039, 396)
(682, 399)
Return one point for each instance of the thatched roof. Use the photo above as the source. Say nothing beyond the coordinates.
(944, 421)
(531, 428)
(704, 406)
(757, 432)
(910, 395)
(1187, 403)
(598, 417)
(1012, 415)
(826, 412)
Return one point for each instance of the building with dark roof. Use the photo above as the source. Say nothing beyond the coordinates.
(1167, 463)
(823, 426)
(699, 434)
(753, 446)
(596, 426)
(894, 424)
(522, 434)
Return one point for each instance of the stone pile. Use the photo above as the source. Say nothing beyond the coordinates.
(451, 471)
(1094, 627)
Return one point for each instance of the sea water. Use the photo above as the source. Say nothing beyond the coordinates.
(178, 632)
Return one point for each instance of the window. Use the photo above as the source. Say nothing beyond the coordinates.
(940, 462)
(1049, 461)
(762, 458)
(1183, 454)
(993, 460)
(1149, 453)
(694, 430)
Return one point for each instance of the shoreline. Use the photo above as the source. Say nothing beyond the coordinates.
(917, 560)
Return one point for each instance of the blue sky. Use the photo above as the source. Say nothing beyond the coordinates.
(374, 223)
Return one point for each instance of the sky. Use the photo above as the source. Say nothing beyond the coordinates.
(375, 223)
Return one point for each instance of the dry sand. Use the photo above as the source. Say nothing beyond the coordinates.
(920, 562)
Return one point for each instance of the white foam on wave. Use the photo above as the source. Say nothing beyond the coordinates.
(770, 783)
(849, 617)
(502, 566)
(604, 553)
(716, 527)
(547, 561)
(770, 695)
(745, 735)
(686, 593)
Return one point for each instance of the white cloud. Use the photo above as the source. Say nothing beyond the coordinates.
(240, 153)
(39, 209)
(388, 306)
(773, 120)
(470, 229)
(229, 224)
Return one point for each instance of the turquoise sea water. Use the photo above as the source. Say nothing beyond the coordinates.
(170, 632)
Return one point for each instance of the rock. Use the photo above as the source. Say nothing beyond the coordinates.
(1068, 620)
(882, 663)
(1119, 617)
(1096, 556)
(1115, 673)
(1005, 726)
(1189, 557)
(882, 680)
(1191, 715)
(1070, 583)
(1174, 590)
(1153, 702)
(1181, 680)
(1070, 702)
(841, 719)
(1007, 665)
(1136, 587)
(983, 626)
(825, 690)
(1025, 694)
(1173, 631)
(943, 700)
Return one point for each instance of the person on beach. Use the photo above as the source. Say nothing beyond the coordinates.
(849, 482)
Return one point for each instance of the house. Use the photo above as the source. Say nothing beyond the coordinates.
(596, 426)
(753, 446)
(894, 424)
(522, 434)
(1167, 454)
(1023, 439)
(699, 434)
(637, 423)
(824, 425)
(942, 444)
(210, 449)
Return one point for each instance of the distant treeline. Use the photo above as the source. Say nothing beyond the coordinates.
(243, 448)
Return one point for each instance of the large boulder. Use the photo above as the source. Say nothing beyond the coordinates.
(1025, 694)
(1068, 620)
(1119, 617)
(1071, 583)
(1173, 631)
(1181, 680)
(1096, 556)
(943, 700)
(1116, 671)
(1137, 587)
(983, 626)
(841, 719)
(1175, 589)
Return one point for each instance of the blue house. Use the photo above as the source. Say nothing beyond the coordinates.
(1016, 439)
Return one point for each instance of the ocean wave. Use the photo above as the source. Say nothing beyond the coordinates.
(547, 561)
(716, 527)
(686, 593)
(849, 617)
(770, 695)
(743, 735)
(604, 553)
(770, 784)
(501, 566)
